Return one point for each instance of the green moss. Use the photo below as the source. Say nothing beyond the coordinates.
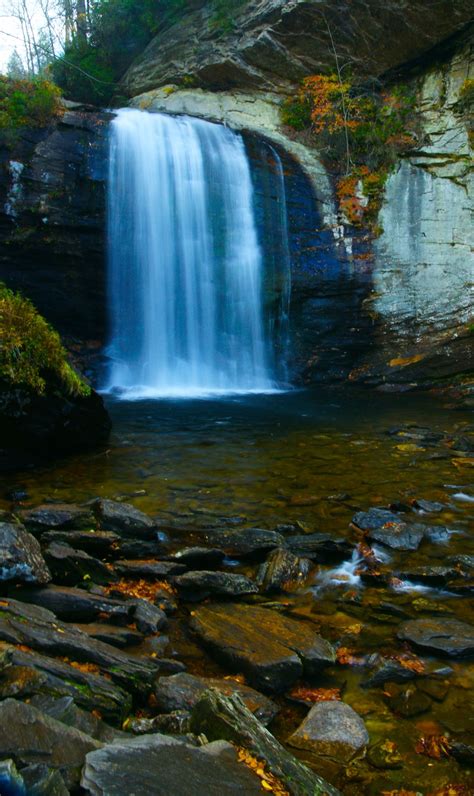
(31, 353)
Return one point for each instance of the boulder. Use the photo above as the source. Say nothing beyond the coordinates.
(282, 571)
(159, 765)
(70, 567)
(39, 629)
(195, 586)
(331, 729)
(385, 527)
(442, 636)
(120, 637)
(182, 691)
(245, 543)
(88, 689)
(272, 650)
(64, 709)
(122, 518)
(219, 716)
(148, 618)
(200, 557)
(97, 543)
(40, 780)
(408, 702)
(20, 556)
(319, 547)
(161, 570)
(27, 736)
(57, 516)
(78, 605)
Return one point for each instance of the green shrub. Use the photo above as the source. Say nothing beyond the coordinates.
(28, 103)
(31, 353)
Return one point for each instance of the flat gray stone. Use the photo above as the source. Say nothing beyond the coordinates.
(159, 765)
(122, 518)
(272, 650)
(443, 636)
(331, 729)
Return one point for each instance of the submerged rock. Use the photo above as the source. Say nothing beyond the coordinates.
(443, 636)
(122, 518)
(408, 702)
(271, 650)
(28, 735)
(195, 586)
(159, 765)
(20, 556)
(182, 692)
(331, 729)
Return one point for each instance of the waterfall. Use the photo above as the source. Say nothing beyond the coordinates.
(185, 264)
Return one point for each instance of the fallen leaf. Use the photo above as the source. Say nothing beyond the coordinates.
(400, 362)
(315, 694)
(268, 780)
(434, 746)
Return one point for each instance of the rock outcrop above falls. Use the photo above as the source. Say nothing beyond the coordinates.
(272, 44)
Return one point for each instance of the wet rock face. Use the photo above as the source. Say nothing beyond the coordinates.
(52, 210)
(234, 634)
(161, 765)
(36, 427)
(274, 42)
(20, 556)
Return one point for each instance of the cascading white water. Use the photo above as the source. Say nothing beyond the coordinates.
(185, 266)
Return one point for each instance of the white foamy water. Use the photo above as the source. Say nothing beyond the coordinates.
(185, 265)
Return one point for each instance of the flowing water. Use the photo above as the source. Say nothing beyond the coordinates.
(186, 266)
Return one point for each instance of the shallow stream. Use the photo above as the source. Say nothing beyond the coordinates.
(309, 460)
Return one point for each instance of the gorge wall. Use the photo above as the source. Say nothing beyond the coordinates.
(387, 310)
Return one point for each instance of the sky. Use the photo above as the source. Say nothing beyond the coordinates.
(10, 30)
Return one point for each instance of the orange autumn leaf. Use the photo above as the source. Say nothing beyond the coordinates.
(434, 746)
(409, 661)
(345, 657)
(315, 694)
(452, 790)
(401, 792)
(140, 588)
(269, 782)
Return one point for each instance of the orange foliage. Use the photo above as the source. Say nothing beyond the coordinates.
(410, 662)
(330, 103)
(345, 657)
(434, 746)
(89, 668)
(140, 588)
(269, 782)
(452, 790)
(316, 694)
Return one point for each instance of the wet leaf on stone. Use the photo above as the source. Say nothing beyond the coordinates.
(269, 782)
(315, 694)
